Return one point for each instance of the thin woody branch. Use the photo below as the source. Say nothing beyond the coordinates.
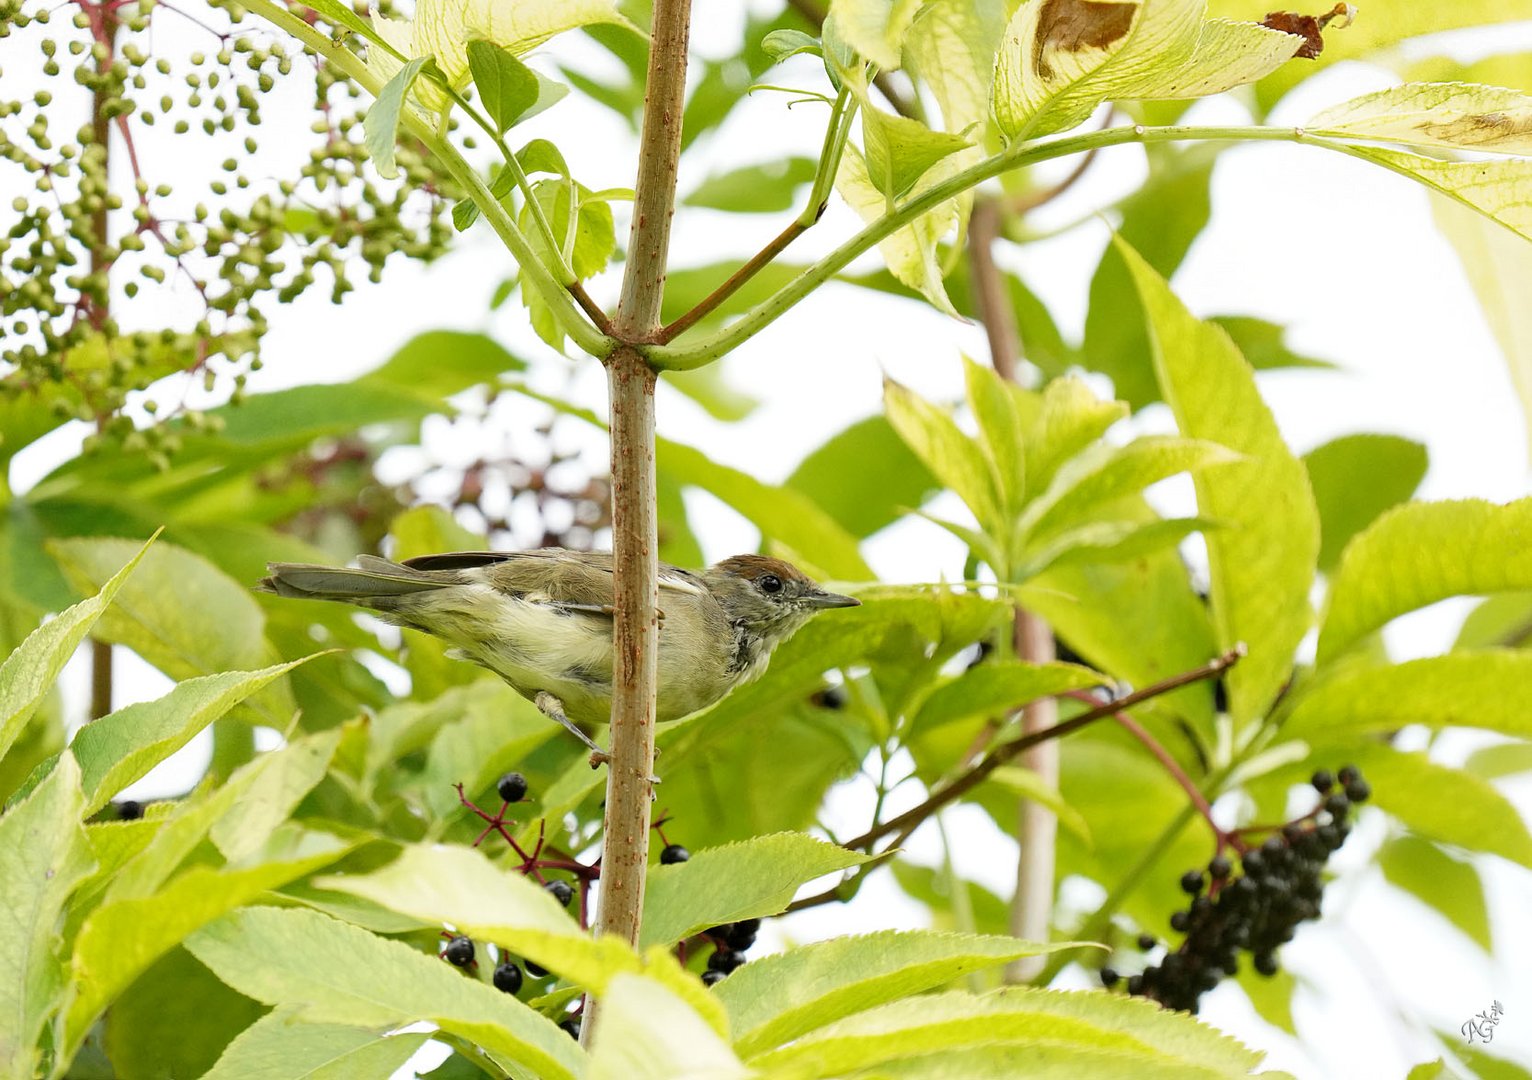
(1004, 753)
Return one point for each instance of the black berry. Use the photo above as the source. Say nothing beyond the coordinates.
(512, 787)
(1146, 942)
(724, 960)
(507, 977)
(1348, 774)
(1358, 790)
(1338, 805)
(459, 951)
(674, 853)
(1191, 882)
(1109, 977)
(740, 937)
(711, 977)
(129, 810)
(1219, 868)
(1265, 963)
(572, 1026)
(561, 891)
(1179, 922)
(537, 971)
(1323, 781)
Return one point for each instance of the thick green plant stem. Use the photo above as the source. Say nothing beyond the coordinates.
(705, 350)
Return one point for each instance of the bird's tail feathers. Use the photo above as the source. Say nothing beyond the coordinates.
(376, 582)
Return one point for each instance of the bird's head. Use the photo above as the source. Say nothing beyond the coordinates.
(768, 597)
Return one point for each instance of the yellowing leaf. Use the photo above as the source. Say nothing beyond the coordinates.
(647, 1032)
(900, 150)
(1059, 59)
(951, 47)
(1499, 267)
(874, 28)
(442, 29)
(1498, 189)
(1458, 115)
(910, 252)
(1228, 54)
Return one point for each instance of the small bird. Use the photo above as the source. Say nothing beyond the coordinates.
(542, 620)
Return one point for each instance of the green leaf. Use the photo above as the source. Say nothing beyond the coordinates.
(648, 1032)
(1457, 116)
(43, 856)
(996, 689)
(1271, 996)
(507, 87)
(381, 124)
(711, 388)
(280, 1046)
(1499, 267)
(441, 884)
(28, 673)
(123, 746)
(911, 251)
(781, 44)
(1111, 541)
(1160, 220)
(864, 477)
(594, 238)
(1060, 423)
(1503, 620)
(120, 939)
(1032, 787)
(1103, 474)
(1450, 886)
(176, 1020)
(439, 363)
(1355, 478)
(1263, 565)
(745, 880)
(1028, 1017)
(1001, 436)
(1062, 58)
(1264, 343)
(954, 458)
(1419, 553)
(901, 150)
(340, 974)
(1500, 189)
(1445, 804)
(768, 188)
(778, 998)
(875, 28)
(1461, 689)
(785, 517)
(181, 613)
(273, 793)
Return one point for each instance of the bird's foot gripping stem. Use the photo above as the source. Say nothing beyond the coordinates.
(553, 709)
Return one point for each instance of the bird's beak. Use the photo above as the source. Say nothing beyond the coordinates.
(821, 599)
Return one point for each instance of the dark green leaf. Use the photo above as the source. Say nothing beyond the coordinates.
(1355, 479)
(780, 44)
(439, 363)
(175, 1021)
(864, 477)
(1264, 343)
(507, 87)
(749, 879)
(754, 189)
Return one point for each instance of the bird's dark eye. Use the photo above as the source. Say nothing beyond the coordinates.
(770, 583)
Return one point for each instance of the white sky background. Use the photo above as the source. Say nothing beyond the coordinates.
(1344, 254)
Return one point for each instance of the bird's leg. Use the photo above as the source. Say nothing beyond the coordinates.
(553, 708)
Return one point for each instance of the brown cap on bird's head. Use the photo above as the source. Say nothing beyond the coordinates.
(753, 566)
(781, 581)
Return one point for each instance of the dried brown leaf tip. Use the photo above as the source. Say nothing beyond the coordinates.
(1076, 25)
(1310, 27)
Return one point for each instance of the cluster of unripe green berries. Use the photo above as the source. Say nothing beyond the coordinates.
(1254, 908)
(73, 247)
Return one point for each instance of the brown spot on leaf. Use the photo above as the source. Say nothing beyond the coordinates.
(1075, 25)
(1309, 27)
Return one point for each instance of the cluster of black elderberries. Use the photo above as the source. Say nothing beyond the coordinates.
(460, 951)
(1255, 911)
(730, 943)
